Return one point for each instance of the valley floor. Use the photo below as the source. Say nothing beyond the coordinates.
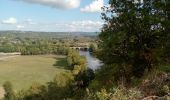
(22, 71)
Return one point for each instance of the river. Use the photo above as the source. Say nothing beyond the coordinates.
(92, 62)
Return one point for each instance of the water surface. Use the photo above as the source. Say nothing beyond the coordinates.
(92, 62)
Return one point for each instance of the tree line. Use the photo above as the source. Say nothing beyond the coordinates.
(34, 47)
(134, 45)
(65, 85)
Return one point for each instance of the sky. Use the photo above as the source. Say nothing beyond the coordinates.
(51, 15)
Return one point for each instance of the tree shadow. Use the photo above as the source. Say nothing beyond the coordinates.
(61, 63)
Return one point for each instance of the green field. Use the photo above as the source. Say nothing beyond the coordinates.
(22, 71)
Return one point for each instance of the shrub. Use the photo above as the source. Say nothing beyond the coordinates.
(9, 93)
(116, 94)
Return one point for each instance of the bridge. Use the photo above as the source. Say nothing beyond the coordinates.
(80, 46)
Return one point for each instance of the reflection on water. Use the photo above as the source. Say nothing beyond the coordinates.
(92, 62)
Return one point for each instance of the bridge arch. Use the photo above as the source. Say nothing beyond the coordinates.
(80, 48)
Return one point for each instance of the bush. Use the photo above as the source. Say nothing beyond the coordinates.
(156, 84)
(116, 94)
(9, 93)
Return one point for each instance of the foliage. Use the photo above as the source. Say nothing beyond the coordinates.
(82, 75)
(103, 78)
(134, 41)
(93, 48)
(38, 43)
(68, 84)
(132, 36)
(156, 84)
(34, 47)
(84, 78)
(35, 92)
(116, 94)
(164, 68)
(59, 89)
(9, 93)
(75, 62)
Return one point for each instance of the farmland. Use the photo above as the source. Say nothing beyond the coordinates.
(22, 71)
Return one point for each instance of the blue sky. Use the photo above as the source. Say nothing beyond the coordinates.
(51, 15)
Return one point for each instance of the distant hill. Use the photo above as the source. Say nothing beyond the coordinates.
(32, 34)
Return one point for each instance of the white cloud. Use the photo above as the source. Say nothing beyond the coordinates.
(86, 25)
(10, 21)
(74, 26)
(20, 26)
(30, 22)
(59, 4)
(95, 6)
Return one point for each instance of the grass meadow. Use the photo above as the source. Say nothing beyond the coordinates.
(22, 71)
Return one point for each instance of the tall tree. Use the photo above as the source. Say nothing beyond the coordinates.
(132, 36)
(166, 24)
